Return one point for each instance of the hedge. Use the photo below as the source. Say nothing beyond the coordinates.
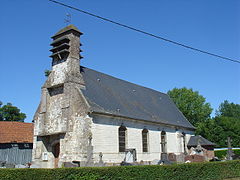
(195, 171)
(222, 153)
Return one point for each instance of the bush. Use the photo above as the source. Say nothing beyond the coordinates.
(196, 171)
(223, 153)
(220, 153)
(236, 151)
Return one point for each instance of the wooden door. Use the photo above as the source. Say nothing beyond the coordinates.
(56, 151)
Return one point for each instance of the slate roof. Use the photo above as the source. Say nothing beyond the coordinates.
(109, 95)
(202, 141)
(17, 132)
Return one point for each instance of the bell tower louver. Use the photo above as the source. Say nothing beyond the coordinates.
(65, 57)
(66, 44)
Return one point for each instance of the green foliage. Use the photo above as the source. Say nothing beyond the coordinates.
(229, 110)
(47, 72)
(222, 153)
(197, 111)
(212, 132)
(191, 104)
(9, 112)
(225, 124)
(236, 151)
(196, 171)
(219, 128)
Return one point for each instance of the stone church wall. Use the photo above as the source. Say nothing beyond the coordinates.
(66, 129)
(105, 139)
(73, 134)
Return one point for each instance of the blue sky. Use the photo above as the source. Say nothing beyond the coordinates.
(26, 27)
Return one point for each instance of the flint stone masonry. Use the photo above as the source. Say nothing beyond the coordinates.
(81, 110)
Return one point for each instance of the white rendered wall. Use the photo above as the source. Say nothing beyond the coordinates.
(105, 139)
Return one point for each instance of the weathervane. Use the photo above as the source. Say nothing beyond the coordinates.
(68, 19)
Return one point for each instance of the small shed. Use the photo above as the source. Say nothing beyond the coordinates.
(16, 142)
(199, 140)
(197, 143)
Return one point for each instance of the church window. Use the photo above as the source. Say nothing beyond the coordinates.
(163, 141)
(145, 140)
(122, 138)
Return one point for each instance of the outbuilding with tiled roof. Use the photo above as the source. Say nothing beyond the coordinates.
(16, 132)
(16, 142)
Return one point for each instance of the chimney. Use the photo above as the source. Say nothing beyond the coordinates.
(65, 56)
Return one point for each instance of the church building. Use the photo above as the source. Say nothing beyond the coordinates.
(89, 118)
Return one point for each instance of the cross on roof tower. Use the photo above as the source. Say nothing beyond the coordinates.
(68, 19)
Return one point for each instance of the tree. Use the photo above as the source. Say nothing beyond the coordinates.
(212, 131)
(229, 110)
(228, 117)
(191, 104)
(9, 112)
(225, 124)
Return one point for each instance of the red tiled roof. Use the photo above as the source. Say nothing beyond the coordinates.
(18, 132)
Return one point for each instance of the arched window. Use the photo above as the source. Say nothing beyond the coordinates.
(163, 141)
(145, 140)
(122, 138)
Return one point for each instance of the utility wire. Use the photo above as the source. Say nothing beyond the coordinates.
(146, 33)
